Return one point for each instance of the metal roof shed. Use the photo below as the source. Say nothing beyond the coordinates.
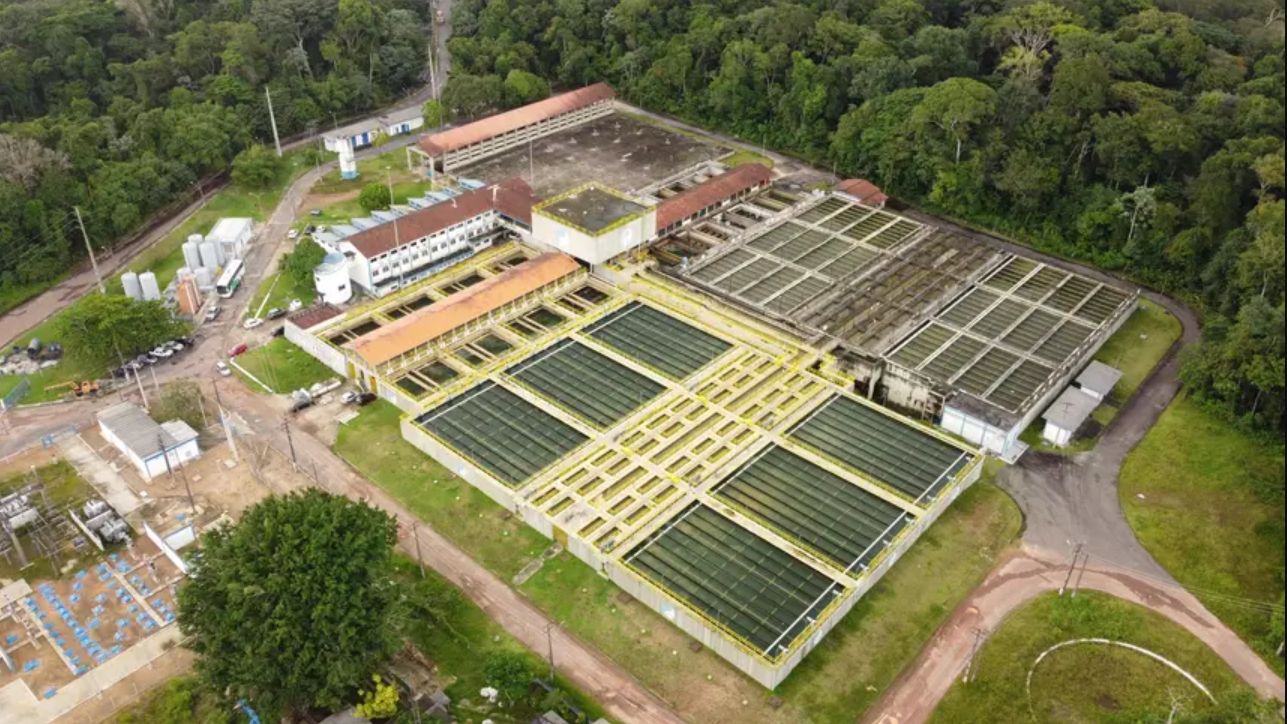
(1066, 415)
(146, 444)
(1098, 379)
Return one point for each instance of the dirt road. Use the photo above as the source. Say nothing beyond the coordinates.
(625, 699)
(1018, 579)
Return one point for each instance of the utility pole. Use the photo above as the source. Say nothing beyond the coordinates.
(156, 384)
(971, 671)
(228, 432)
(433, 65)
(102, 288)
(290, 442)
(1072, 567)
(165, 455)
(549, 638)
(397, 242)
(415, 533)
(138, 378)
(273, 120)
(1085, 561)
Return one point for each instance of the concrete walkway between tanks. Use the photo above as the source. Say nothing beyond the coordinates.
(1066, 501)
(624, 698)
(1020, 578)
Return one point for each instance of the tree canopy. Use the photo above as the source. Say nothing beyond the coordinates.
(291, 606)
(102, 329)
(374, 196)
(1145, 137)
(120, 107)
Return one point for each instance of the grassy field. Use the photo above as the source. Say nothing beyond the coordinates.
(1207, 502)
(373, 444)
(282, 366)
(840, 679)
(164, 259)
(741, 157)
(1139, 345)
(1086, 683)
(1135, 349)
(181, 700)
(370, 169)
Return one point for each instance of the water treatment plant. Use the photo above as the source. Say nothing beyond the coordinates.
(741, 402)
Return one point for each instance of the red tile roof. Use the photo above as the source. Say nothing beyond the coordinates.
(865, 191)
(432, 322)
(711, 191)
(496, 125)
(512, 197)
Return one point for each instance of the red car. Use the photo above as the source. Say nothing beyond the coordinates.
(239, 349)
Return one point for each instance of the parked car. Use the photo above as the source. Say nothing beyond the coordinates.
(293, 234)
(162, 352)
(279, 332)
(275, 313)
(309, 229)
(213, 313)
(295, 305)
(348, 398)
(367, 398)
(223, 369)
(316, 212)
(253, 322)
(239, 349)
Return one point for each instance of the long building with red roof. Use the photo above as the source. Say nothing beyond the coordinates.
(710, 196)
(388, 256)
(502, 132)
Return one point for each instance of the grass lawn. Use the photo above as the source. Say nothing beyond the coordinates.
(373, 444)
(282, 366)
(181, 700)
(67, 370)
(1211, 513)
(460, 644)
(839, 680)
(369, 170)
(1139, 345)
(741, 157)
(1089, 682)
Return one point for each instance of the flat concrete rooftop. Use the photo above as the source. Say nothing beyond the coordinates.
(592, 208)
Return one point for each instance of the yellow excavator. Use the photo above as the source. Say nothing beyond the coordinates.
(80, 389)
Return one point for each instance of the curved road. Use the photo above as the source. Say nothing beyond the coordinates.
(1066, 500)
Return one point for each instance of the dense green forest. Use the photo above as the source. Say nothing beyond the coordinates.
(120, 108)
(1145, 136)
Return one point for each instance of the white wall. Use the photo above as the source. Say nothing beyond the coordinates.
(1056, 435)
(594, 249)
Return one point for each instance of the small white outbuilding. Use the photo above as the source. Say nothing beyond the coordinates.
(1066, 415)
(146, 444)
(1098, 380)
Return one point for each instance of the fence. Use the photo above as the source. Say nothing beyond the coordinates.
(15, 395)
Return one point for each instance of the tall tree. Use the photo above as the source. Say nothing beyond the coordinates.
(291, 606)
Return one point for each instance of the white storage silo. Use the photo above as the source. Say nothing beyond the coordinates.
(331, 278)
(151, 290)
(183, 273)
(192, 251)
(209, 255)
(205, 279)
(130, 281)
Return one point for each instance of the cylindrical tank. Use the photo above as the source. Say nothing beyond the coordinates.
(331, 278)
(205, 278)
(183, 273)
(151, 290)
(209, 255)
(130, 281)
(192, 251)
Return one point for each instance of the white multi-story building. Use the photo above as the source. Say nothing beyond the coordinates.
(385, 257)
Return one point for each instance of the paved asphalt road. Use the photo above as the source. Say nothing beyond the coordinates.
(1066, 501)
